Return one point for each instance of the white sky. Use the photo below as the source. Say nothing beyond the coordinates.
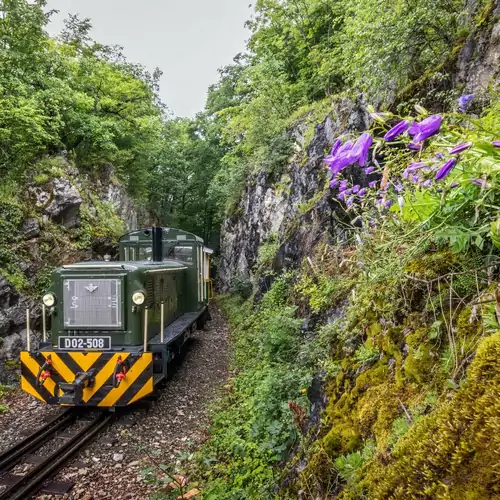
(189, 40)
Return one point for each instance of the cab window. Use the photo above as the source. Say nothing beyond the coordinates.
(181, 253)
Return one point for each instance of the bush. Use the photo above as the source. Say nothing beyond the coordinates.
(253, 428)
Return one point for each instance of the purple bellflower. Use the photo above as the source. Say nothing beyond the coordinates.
(341, 196)
(427, 128)
(343, 185)
(416, 165)
(372, 184)
(480, 182)
(369, 170)
(334, 183)
(362, 192)
(341, 161)
(464, 102)
(397, 130)
(345, 147)
(446, 169)
(398, 187)
(496, 144)
(427, 183)
(356, 188)
(348, 192)
(415, 147)
(460, 148)
(413, 130)
(336, 147)
(361, 148)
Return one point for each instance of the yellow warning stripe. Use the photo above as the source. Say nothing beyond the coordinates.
(34, 368)
(87, 360)
(27, 387)
(147, 388)
(103, 375)
(60, 367)
(139, 366)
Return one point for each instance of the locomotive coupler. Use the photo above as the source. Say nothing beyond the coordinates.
(73, 393)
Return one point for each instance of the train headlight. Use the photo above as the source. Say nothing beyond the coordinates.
(49, 299)
(138, 298)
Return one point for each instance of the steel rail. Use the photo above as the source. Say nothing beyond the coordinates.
(34, 441)
(35, 478)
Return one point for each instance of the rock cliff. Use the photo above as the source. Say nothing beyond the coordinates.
(288, 206)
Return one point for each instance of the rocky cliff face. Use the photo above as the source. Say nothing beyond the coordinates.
(61, 218)
(289, 206)
(478, 61)
(295, 206)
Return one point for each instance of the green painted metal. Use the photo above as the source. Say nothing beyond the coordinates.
(173, 282)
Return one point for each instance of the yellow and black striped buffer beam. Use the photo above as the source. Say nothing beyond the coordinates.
(137, 383)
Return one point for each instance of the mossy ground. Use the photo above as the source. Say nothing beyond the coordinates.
(407, 347)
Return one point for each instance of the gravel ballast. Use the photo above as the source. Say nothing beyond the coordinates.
(160, 432)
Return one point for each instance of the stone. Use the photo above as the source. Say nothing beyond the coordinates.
(4, 323)
(8, 295)
(11, 346)
(64, 207)
(117, 457)
(41, 196)
(270, 211)
(30, 228)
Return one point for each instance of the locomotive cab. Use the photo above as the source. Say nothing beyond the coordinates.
(116, 326)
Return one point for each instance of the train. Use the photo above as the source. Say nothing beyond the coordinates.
(111, 329)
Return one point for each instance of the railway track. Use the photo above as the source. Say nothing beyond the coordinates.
(50, 459)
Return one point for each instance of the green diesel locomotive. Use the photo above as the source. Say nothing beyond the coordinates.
(115, 327)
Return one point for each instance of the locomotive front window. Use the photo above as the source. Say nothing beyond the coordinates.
(134, 253)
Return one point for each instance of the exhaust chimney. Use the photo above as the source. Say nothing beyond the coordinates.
(157, 244)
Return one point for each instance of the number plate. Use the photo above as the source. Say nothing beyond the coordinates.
(85, 343)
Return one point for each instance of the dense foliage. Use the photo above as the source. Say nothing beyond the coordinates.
(304, 53)
(72, 94)
(188, 160)
(301, 55)
(405, 336)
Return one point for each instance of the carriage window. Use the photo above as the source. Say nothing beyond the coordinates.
(181, 253)
(145, 253)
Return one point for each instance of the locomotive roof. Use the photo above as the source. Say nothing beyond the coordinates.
(146, 265)
(169, 233)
